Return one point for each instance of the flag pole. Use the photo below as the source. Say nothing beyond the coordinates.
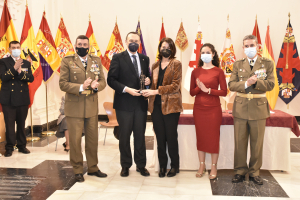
(31, 139)
(256, 25)
(287, 49)
(47, 132)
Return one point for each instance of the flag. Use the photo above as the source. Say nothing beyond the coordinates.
(181, 39)
(30, 53)
(141, 49)
(194, 58)
(288, 67)
(162, 35)
(7, 33)
(49, 58)
(63, 43)
(227, 58)
(94, 48)
(268, 53)
(114, 46)
(257, 35)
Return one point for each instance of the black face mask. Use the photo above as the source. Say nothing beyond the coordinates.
(165, 53)
(82, 51)
(133, 47)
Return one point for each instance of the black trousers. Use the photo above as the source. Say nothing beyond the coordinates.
(165, 128)
(12, 115)
(132, 121)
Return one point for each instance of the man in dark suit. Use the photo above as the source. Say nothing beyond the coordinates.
(131, 107)
(15, 74)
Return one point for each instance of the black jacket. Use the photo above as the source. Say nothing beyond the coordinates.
(14, 88)
(122, 73)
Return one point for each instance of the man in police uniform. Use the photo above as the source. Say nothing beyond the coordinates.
(15, 74)
(81, 77)
(251, 78)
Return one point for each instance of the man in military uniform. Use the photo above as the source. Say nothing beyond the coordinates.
(81, 77)
(15, 74)
(251, 78)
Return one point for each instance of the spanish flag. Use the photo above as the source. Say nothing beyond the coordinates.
(257, 35)
(162, 35)
(94, 48)
(268, 53)
(48, 55)
(30, 53)
(7, 33)
(114, 46)
(63, 43)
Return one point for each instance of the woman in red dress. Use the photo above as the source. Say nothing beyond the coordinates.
(205, 81)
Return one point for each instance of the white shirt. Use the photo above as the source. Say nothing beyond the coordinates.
(249, 60)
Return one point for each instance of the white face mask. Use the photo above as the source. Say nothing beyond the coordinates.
(16, 53)
(206, 58)
(250, 52)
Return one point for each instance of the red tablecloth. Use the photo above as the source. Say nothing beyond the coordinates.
(277, 119)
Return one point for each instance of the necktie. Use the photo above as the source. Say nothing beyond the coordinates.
(251, 64)
(84, 64)
(135, 64)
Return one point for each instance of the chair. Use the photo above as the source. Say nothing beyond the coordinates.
(187, 106)
(229, 106)
(112, 118)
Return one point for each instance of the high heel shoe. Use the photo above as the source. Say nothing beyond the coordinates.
(199, 175)
(67, 150)
(213, 177)
(64, 144)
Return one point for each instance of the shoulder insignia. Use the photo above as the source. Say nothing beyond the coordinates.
(71, 55)
(266, 59)
(240, 60)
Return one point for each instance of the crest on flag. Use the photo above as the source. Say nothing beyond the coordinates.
(181, 38)
(64, 47)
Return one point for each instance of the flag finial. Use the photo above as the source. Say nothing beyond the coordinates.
(198, 18)
(89, 17)
(289, 15)
(228, 17)
(26, 3)
(139, 18)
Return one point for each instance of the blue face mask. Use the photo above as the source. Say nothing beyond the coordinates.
(207, 58)
(16, 53)
(250, 52)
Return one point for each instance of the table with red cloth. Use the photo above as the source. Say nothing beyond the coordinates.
(276, 150)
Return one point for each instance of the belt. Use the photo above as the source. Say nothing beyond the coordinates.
(251, 96)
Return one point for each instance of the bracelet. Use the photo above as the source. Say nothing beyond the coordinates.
(209, 89)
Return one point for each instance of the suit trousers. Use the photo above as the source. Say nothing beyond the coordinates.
(165, 128)
(75, 126)
(243, 129)
(132, 121)
(12, 115)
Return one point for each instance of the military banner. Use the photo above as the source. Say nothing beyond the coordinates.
(94, 48)
(142, 48)
(162, 35)
(181, 39)
(256, 33)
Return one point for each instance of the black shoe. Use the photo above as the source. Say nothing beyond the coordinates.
(64, 144)
(8, 153)
(256, 179)
(124, 172)
(24, 150)
(143, 171)
(79, 178)
(98, 174)
(238, 178)
(173, 172)
(162, 172)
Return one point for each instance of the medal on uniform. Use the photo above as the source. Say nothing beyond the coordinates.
(95, 69)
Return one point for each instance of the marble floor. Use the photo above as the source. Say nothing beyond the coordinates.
(48, 175)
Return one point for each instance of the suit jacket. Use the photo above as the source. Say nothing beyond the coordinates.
(122, 73)
(257, 108)
(72, 75)
(14, 90)
(171, 99)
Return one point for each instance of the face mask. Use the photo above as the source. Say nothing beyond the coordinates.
(133, 47)
(206, 58)
(82, 51)
(16, 53)
(165, 53)
(250, 52)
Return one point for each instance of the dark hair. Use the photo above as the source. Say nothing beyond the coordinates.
(215, 60)
(171, 45)
(132, 32)
(14, 42)
(82, 37)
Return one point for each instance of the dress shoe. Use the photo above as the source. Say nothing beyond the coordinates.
(162, 172)
(173, 172)
(238, 178)
(98, 174)
(256, 179)
(79, 178)
(124, 172)
(143, 171)
(8, 153)
(24, 150)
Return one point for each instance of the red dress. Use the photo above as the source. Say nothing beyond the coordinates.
(207, 107)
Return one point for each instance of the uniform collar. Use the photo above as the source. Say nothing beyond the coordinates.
(252, 59)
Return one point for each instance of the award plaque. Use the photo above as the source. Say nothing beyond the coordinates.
(142, 81)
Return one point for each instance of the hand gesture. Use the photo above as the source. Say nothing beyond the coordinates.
(132, 91)
(252, 80)
(86, 83)
(147, 93)
(201, 85)
(147, 81)
(18, 64)
(95, 84)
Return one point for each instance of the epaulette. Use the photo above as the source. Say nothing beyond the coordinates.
(93, 55)
(240, 60)
(71, 55)
(266, 59)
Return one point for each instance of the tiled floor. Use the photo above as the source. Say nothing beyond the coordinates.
(184, 186)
